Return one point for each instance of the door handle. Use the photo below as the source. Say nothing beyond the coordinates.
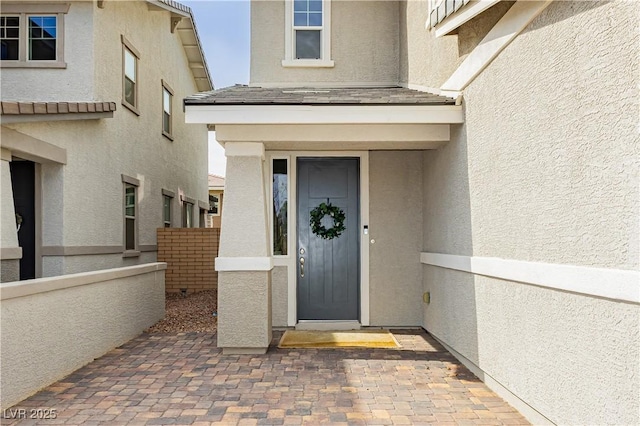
(301, 267)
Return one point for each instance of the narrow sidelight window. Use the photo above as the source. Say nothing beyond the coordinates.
(280, 206)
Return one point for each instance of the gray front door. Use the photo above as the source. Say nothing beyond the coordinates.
(328, 269)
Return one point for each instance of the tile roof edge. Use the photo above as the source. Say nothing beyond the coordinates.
(59, 107)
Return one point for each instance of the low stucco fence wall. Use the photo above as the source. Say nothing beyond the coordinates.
(53, 326)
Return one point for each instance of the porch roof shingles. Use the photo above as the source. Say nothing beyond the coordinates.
(246, 95)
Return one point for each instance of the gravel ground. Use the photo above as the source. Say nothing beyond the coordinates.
(193, 313)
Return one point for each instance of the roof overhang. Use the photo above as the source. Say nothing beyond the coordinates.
(323, 114)
(30, 148)
(183, 22)
(25, 112)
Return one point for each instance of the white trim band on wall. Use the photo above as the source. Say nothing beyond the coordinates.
(10, 253)
(228, 264)
(244, 149)
(616, 284)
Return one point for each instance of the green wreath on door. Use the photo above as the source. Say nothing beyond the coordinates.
(335, 213)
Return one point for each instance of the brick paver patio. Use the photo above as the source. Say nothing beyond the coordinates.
(183, 379)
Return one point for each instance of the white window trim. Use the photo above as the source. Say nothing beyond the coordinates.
(126, 45)
(289, 60)
(271, 218)
(25, 10)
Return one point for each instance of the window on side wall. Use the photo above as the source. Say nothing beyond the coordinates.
(308, 33)
(214, 204)
(187, 213)
(167, 110)
(130, 58)
(166, 211)
(280, 202)
(130, 235)
(31, 35)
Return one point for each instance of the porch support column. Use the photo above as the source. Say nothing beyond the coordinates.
(244, 263)
(10, 252)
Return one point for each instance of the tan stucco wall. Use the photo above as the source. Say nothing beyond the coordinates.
(279, 296)
(49, 334)
(428, 61)
(9, 270)
(545, 169)
(364, 44)
(83, 200)
(244, 309)
(395, 222)
(75, 82)
(244, 231)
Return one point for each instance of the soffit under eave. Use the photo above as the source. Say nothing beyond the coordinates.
(338, 137)
(190, 40)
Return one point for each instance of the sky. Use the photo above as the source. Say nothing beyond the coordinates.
(224, 30)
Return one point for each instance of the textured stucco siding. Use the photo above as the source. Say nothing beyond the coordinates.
(47, 335)
(395, 222)
(279, 296)
(545, 169)
(73, 83)
(9, 270)
(82, 201)
(364, 44)
(244, 309)
(244, 231)
(428, 61)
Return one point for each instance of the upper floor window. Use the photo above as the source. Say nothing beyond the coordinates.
(130, 57)
(167, 110)
(280, 199)
(308, 33)
(10, 34)
(31, 35)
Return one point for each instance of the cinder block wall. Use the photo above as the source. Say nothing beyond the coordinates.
(190, 255)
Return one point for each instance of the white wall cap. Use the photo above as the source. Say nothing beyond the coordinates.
(15, 289)
(244, 149)
(616, 284)
(324, 114)
(229, 264)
